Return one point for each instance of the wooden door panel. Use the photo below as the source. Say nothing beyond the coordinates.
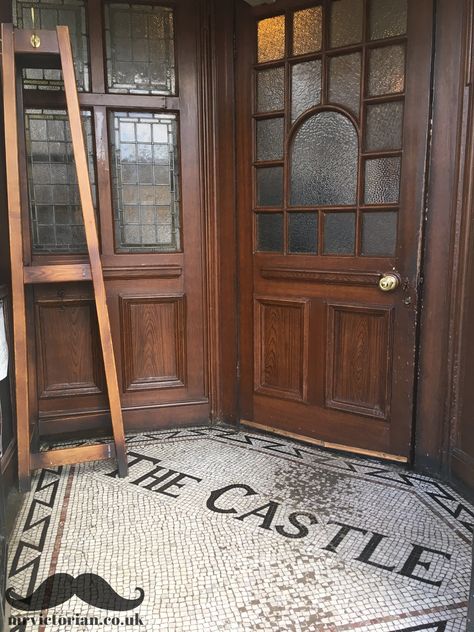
(69, 360)
(359, 359)
(281, 344)
(153, 339)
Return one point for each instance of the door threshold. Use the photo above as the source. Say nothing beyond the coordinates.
(325, 444)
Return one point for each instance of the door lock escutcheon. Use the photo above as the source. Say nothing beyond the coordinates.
(389, 282)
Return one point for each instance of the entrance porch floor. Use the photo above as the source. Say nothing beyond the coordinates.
(236, 531)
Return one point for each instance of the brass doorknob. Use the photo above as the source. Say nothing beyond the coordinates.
(389, 282)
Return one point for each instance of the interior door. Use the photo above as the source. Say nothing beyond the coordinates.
(333, 116)
(137, 74)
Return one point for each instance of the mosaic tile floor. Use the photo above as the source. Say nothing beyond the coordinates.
(229, 531)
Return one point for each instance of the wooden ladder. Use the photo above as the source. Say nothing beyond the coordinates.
(52, 49)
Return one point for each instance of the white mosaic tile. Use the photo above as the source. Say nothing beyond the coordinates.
(228, 531)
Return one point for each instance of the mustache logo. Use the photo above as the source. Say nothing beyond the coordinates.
(59, 588)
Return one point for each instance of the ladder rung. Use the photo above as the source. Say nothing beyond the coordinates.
(57, 273)
(67, 456)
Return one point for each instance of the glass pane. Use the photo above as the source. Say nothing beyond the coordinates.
(388, 18)
(140, 48)
(271, 38)
(324, 161)
(270, 186)
(270, 139)
(145, 181)
(307, 28)
(305, 87)
(339, 233)
(384, 126)
(270, 89)
(270, 232)
(382, 181)
(387, 70)
(48, 14)
(55, 208)
(303, 233)
(379, 234)
(344, 81)
(346, 22)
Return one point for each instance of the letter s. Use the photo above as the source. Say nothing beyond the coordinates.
(219, 492)
(302, 529)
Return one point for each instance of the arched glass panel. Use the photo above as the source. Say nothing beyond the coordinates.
(324, 157)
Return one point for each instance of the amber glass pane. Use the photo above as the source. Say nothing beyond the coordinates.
(271, 38)
(140, 48)
(303, 233)
(305, 86)
(270, 89)
(270, 232)
(384, 126)
(344, 81)
(270, 139)
(339, 233)
(388, 18)
(324, 159)
(379, 233)
(307, 28)
(382, 181)
(145, 180)
(55, 209)
(270, 186)
(387, 70)
(48, 15)
(346, 22)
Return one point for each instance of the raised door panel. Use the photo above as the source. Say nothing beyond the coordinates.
(359, 359)
(69, 362)
(153, 335)
(281, 347)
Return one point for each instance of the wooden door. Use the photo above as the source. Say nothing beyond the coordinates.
(137, 73)
(333, 115)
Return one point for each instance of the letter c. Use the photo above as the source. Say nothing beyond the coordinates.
(219, 492)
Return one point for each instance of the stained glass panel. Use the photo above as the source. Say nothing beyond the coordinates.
(145, 181)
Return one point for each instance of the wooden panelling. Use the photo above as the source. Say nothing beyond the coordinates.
(322, 276)
(153, 341)
(359, 359)
(281, 330)
(68, 357)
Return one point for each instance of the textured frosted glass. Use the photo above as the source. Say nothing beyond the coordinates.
(270, 139)
(339, 233)
(344, 81)
(379, 234)
(270, 186)
(271, 38)
(324, 161)
(307, 28)
(387, 70)
(382, 181)
(55, 209)
(384, 126)
(145, 181)
(303, 233)
(270, 232)
(48, 14)
(346, 22)
(388, 18)
(305, 87)
(270, 89)
(140, 48)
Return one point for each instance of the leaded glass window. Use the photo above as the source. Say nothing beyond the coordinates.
(145, 181)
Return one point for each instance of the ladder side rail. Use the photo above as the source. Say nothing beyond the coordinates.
(16, 255)
(92, 240)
